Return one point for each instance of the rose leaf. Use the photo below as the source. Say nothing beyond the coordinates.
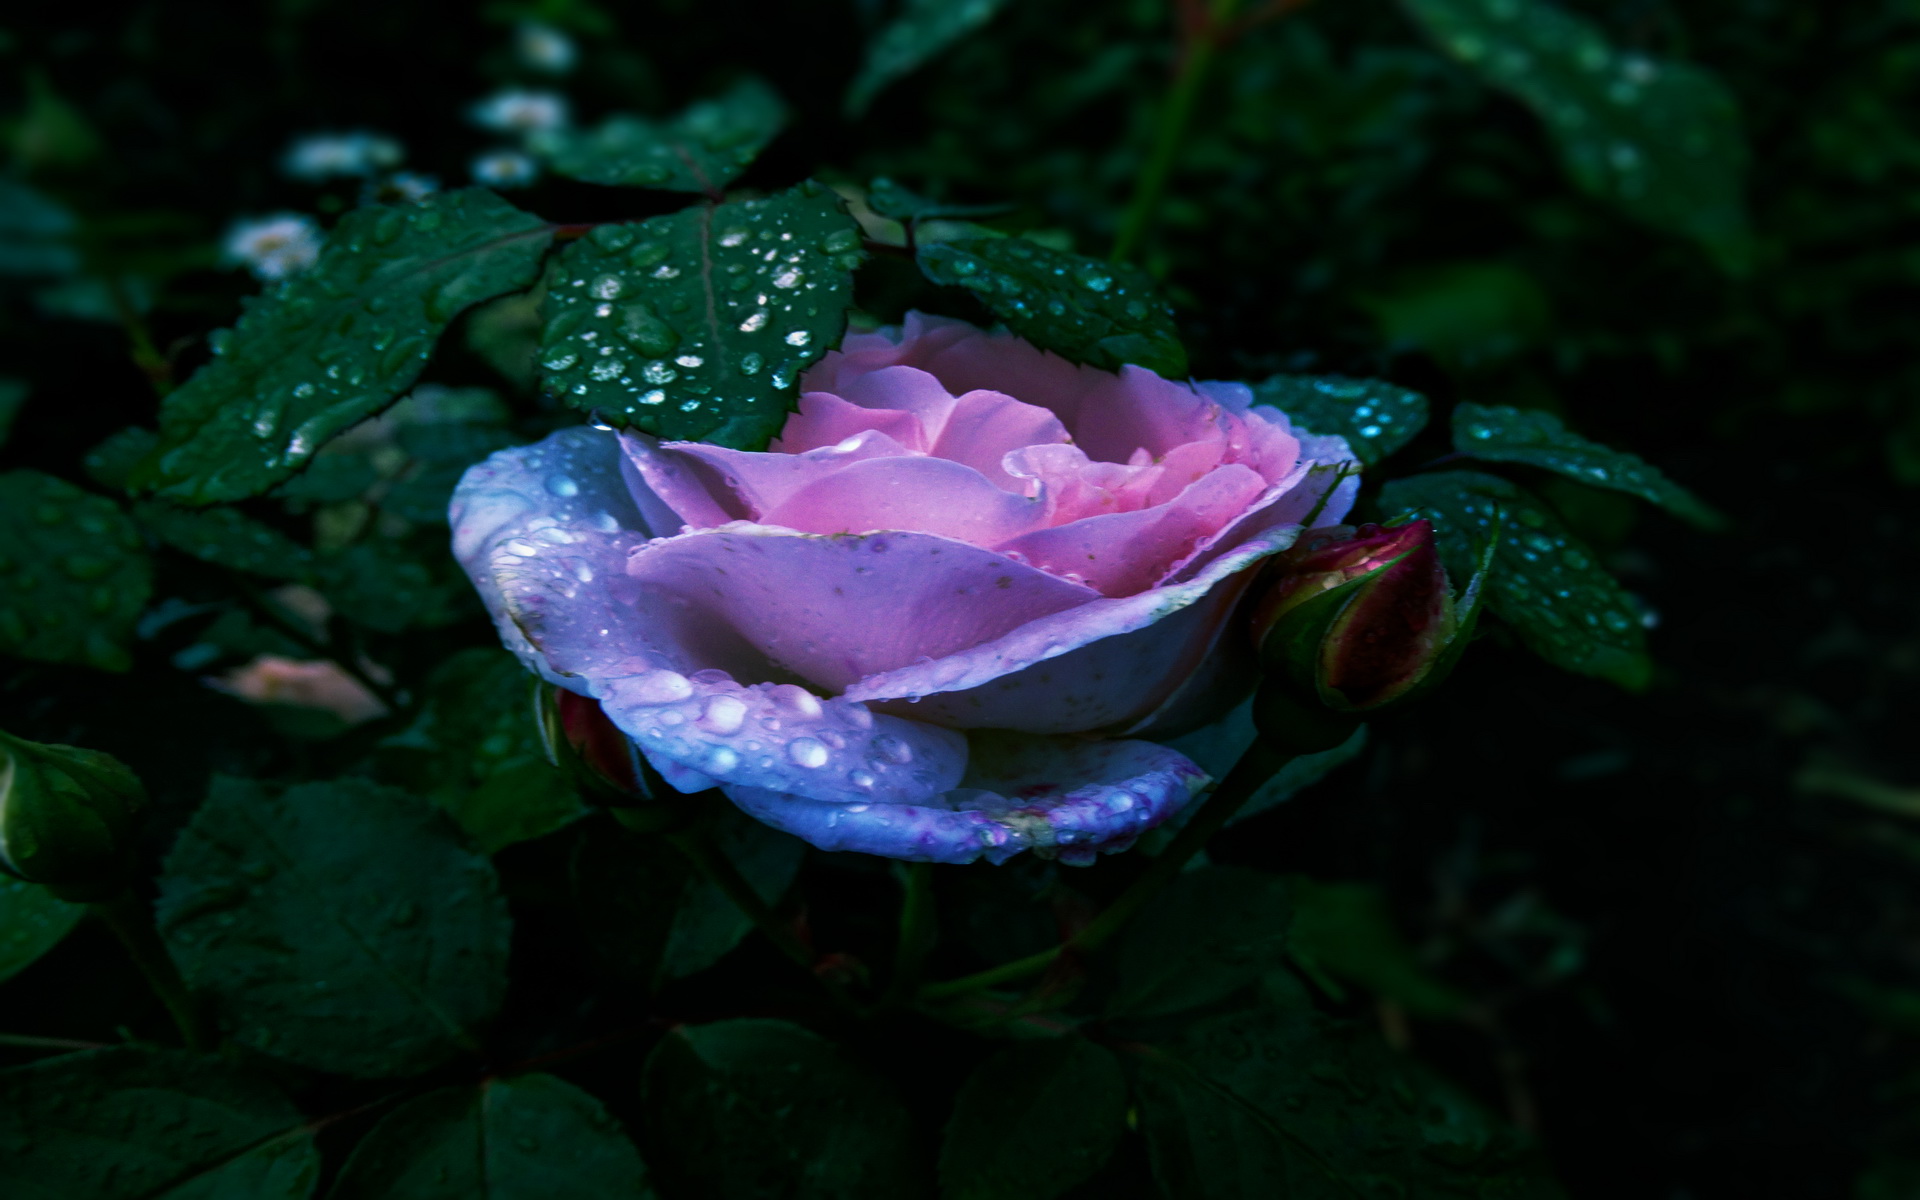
(700, 149)
(922, 29)
(697, 325)
(361, 888)
(337, 342)
(32, 922)
(132, 1122)
(1084, 309)
(1659, 140)
(522, 1137)
(757, 1107)
(1497, 433)
(1033, 1121)
(1546, 583)
(74, 573)
(35, 234)
(1214, 931)
(476, 751)
(1204, 1141)
(1375, 417)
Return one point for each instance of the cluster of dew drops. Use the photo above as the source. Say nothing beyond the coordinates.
(588, 342)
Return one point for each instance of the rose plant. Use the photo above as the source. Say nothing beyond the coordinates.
(936, 619)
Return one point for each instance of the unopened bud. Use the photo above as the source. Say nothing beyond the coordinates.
(67, 817)
(602, 763)
(1360, 619)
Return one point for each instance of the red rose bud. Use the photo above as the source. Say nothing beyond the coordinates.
(67, 818)
(1362, 618)
(602, 763)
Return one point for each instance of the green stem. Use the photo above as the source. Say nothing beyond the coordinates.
(1170, 131)
(132, 922)
(1255, 767)
(917, 931)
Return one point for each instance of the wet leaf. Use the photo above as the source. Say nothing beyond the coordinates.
(1540, 439)
(226, 538)
(922, 29)
(32, 922)
(530, 1137)
(74, 573)
(1658, 139)
(1084, 309)
(1375, 417)
(1033, 1121)
(1546, 583)
(479, 754)
(1214, 931)
(342, 925)
(1348, 931)
(743, 1109)
(700, 149)
(337, 342)
(697, 325)
(131, 1123)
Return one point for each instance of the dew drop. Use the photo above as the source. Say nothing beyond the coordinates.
(724, 715)
(807, 752)
(657, 687)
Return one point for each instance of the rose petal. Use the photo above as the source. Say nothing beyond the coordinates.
(825, 419)
(912, 493)
(1126, 552)
(1059, 797)
(536, 525)
(1102, 664)
(833, 610)
(753, 485)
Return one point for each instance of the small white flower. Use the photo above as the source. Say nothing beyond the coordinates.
(319, 157)
(545, 48)
(274, 246)
(517, 110)
(505, 169)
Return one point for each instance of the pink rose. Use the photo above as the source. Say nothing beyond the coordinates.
(937, 617)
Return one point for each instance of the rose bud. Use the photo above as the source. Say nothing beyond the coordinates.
(1357, 620)
(600, 762)
(67, 817)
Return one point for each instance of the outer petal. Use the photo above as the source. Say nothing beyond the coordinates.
(750, 486)
(1058, 797)
(535, 525)
(833, 610)
(1103, 664)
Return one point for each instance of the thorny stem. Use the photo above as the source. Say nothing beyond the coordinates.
(132, 922)
(29, 1042)
(917, 930)
(1255, 767)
